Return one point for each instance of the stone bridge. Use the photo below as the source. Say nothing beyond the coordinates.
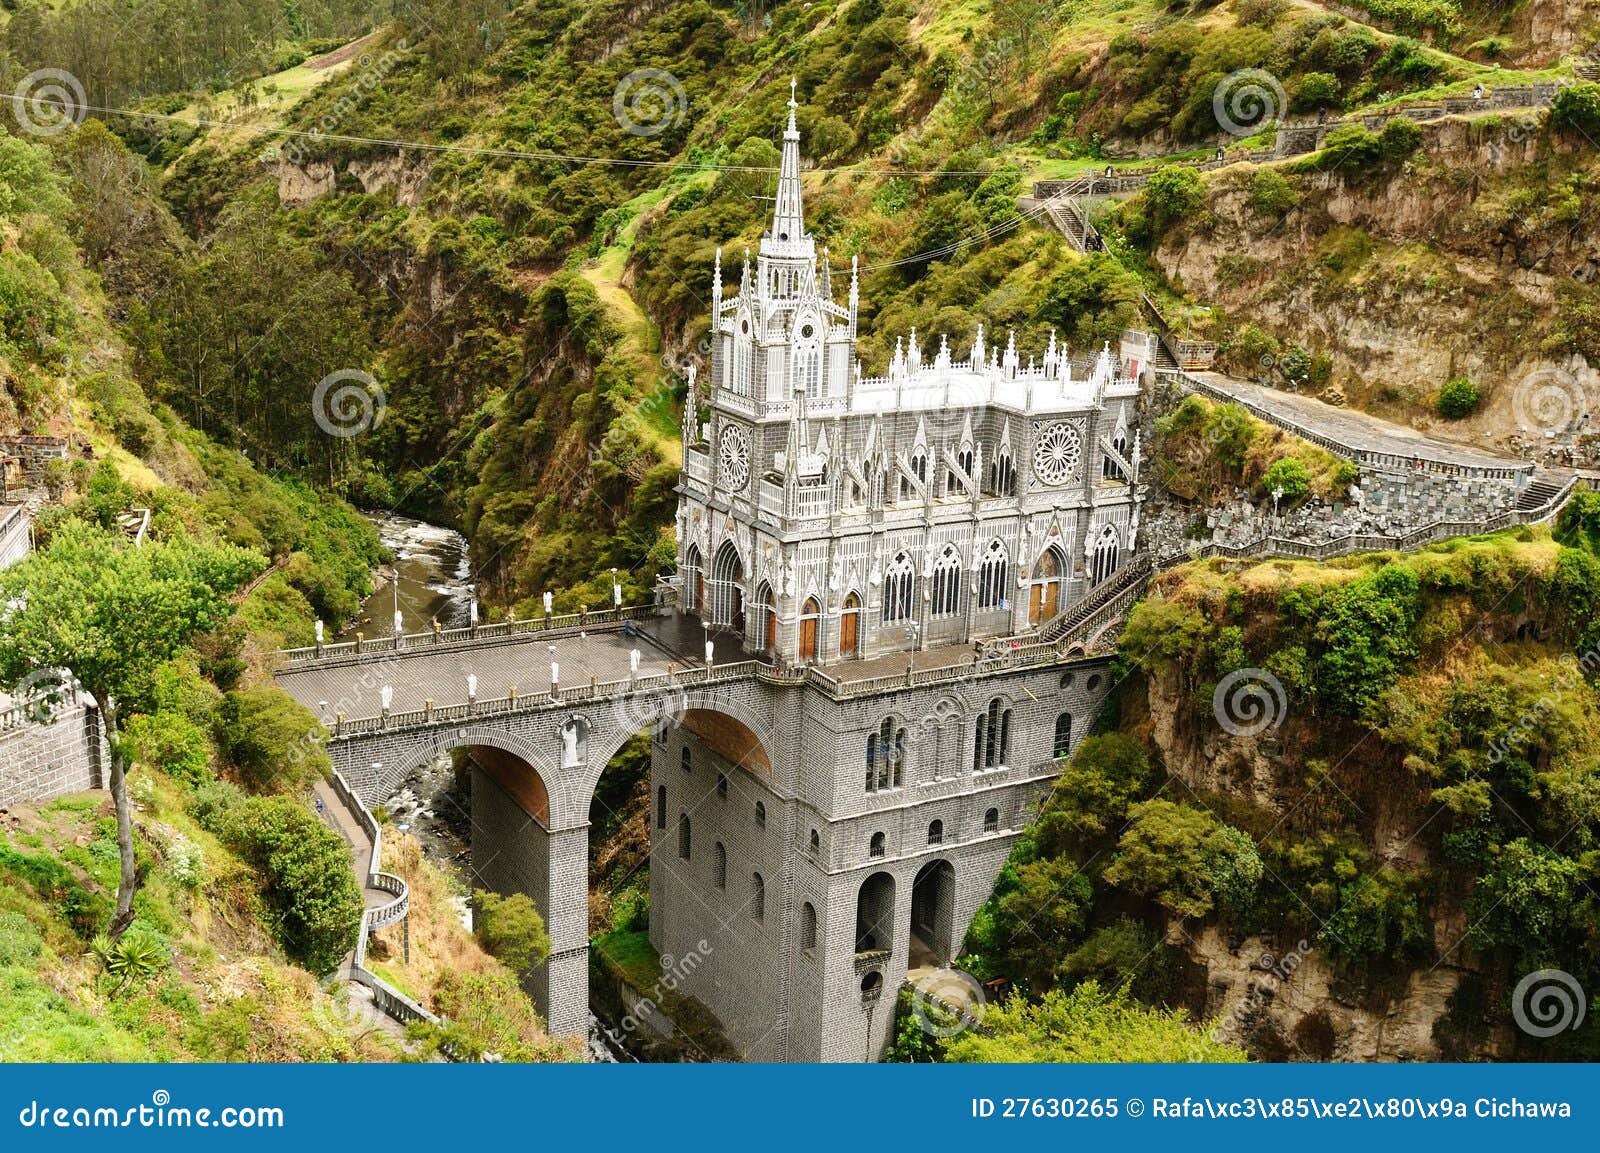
(552, 702)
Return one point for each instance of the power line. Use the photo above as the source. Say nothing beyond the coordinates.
(991, 233)
(73, 110)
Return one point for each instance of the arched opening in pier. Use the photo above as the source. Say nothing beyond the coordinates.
(932, 914)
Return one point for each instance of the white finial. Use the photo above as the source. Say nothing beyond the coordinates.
(792, 83)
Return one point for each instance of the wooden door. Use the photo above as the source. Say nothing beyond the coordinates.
(1050, 591)
(848, 620)
(1035, 603)
(808, 631)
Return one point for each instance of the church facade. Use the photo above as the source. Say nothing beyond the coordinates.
(866, 527)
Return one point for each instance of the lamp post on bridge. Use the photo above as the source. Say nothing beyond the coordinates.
(555, 675)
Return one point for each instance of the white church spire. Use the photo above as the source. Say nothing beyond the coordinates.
(788, 215)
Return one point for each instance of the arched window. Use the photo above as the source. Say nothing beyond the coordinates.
(758, 897)
(886, 754)
(719, 865)
(683, 836)
(919, 463)
(688, 760)
(1103, 562)
(897, 587)
(808, 925)
(936, 833)
(875, 847)
(1063, 744)
(991, 821)
(946, 583)
(1004, 474)
(807, 366)
(1109, 468)
(722, 785)
(741, 358)
(693, 582)
(727, 592)
(766, 618)
(816, 843)
(1045, 593)
(661, 806)
(761, 815)
(992, 572)
(992, 738)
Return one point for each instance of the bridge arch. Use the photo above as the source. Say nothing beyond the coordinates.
(429, 747)
(743, 733)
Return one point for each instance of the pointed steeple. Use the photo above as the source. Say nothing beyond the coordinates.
(788, 216)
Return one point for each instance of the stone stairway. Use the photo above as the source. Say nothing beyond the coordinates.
(1538, 492)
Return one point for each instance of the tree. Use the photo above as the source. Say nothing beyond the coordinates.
(1086, 1025)
(1457, 399)
(1185, 859)
(271, 738)
(1288, 473)
(1173, 193)
(510, 928)
(310, 886)
(112, 615)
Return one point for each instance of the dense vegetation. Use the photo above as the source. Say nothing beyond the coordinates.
(1437, 694)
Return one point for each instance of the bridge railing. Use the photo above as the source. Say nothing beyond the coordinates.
(385, 996)
(468, 634)
(559, 697)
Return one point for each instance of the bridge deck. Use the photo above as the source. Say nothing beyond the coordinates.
(352, 687)
(423, 672)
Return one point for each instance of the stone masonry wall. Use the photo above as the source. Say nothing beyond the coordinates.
(42, 760)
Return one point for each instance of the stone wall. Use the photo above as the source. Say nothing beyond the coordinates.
(40, 758)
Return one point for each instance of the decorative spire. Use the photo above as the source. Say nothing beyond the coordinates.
(788, 217)
(978, 355)
(716, 291)
(855, 295)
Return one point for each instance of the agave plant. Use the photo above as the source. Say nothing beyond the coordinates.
(131, 958)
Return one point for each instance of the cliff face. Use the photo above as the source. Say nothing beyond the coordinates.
(1277, 993)
(1467, 260)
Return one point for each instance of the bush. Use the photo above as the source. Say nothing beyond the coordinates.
(309, 885)
(510, 928)
(1577, 109)
(272, 739)
(1316, 90)
(171, 742)
(1457, 399)
(1289, 474)
(1271, 193)
(1172, 194)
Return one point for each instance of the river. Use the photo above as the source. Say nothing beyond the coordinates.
(434, 581)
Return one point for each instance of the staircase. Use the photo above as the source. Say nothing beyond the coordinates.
(1538, 493)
